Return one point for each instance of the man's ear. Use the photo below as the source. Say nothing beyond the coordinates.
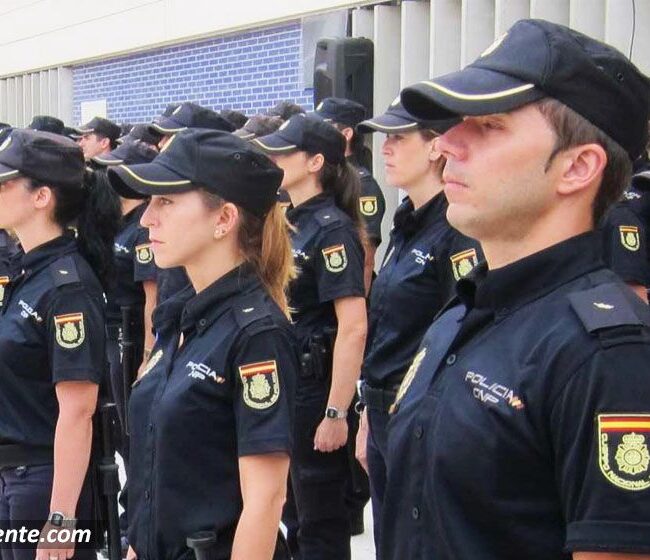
(579, 167)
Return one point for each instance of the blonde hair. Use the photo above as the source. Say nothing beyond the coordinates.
(265, 243)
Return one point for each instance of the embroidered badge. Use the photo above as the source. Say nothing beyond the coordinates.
(408, 378)
(143, 253)
(623, 454)
(463, 263)
(261, 386)
(155, 358)
(368, 205)
(69, 330)
(630, 237)
(4, 280)
(336, 259)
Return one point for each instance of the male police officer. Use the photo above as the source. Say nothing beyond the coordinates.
(521, 428)
(99, 136)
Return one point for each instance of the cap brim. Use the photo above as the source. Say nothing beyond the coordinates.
(82, 131)
(274, 144)
(244, 134)
(473, 91)
(386, 123)
(146, 179)
(7, 173)
(107, 160)
(166, 126)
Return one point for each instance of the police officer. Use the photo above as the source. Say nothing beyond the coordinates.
(211, 416)
(98, 136)
(520, 429)
(142, 133)
(329, 314)
(52, 338)
(258, 125)
(423, 261)
(46, 123)
(345, 115)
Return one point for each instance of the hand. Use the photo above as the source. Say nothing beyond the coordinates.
(362, 441)
(50, 548)
(131, 554)
(332, 433)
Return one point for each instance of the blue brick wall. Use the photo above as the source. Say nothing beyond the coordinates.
(248, 72)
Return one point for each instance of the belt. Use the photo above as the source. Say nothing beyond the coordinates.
(378, 399)
(17, 455)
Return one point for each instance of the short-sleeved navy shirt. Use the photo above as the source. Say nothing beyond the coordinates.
(224, 393)
(51, 330)
(133, 263)
(521, 427)
(9, 253)
(330, 259)
(416, 278)
(372, 204)
(625, 244)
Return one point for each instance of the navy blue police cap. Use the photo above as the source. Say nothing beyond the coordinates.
(536, 59)
(397, 119)
(46, 123)
(215, 160)
(259, 125)
(189, 115)
(143, 132)
(44, 156)
(308, 134)
(102, 126)
(340, 110)
(127, 153)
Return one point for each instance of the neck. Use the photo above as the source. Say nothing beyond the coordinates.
(302, 192)
(129, 204)
(36, 235)
(424, 190)
(348, 150)
(505, 250)
(207, 268)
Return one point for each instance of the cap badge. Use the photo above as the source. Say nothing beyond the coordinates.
(284, 125)
(396, 101)
(5, 144)
(494, 46)
(320, 106)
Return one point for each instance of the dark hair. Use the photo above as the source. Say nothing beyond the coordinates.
(572, 129)
(361, 154)
(95, 212)
(285, 110)
(112, 141)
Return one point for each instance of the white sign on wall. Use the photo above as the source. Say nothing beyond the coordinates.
(91, 109)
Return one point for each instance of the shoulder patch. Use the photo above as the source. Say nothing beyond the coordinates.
(143, 253)
(604, 307)
(463, 263)
(64, 271)
(249, 309)
(630, 237)
(261, 385)
(327, 217)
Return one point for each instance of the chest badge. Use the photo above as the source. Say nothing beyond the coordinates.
(261, 386)
(623, 454)
(143, 253)
(336, 259)
(368, 205)
(463, 263)
(630, 237)
(152, 363)
(4, 280)
(408, 378)
(70, 330)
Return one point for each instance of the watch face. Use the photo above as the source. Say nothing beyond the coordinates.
(331, 413)
(56, 519)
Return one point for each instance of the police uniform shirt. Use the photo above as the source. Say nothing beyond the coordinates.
(171, 281)
(225, 392)
(51, 330)
(625, 244)
(521, 428)
(9, 250)
(372, 204)
(416, 279)
(329, 257)
(134, 264)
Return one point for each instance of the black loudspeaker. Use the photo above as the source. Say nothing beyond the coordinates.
(344, 67)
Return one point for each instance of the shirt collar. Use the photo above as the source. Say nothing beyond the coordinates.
(202, 309)
(508, 288)
(310, 205)
(409, 220)
(133, 215)
(45, 254)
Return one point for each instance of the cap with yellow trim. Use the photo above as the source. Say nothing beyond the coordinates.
(259, 125)
(341, 111)
(536, 59)
(397, 119)
(100, 125)
(220, 162)
(43, 156)
(308, 133)
(128, 153)
(189, 115)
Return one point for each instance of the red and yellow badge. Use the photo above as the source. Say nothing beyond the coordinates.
(336, 259)
(462, 263)
(623, 453)
(69, 330)
(143, 253)
(4, 280)
(261, 386)
(368, 205)
(630, 237)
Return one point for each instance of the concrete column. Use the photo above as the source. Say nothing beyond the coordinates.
(507, 12)
(477, 29)
(363, 22)
(415, 42)
(552, 10)
(588, 17)
(445, 29)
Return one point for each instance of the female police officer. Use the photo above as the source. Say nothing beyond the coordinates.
(52, 342)
(424, 259)
(327, 295)
(210, 417)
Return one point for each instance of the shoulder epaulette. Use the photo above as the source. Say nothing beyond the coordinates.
(327, 217)
(64, 271)
(250, 308)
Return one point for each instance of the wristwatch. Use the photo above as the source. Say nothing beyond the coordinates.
(58, 519)
(335, 413)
